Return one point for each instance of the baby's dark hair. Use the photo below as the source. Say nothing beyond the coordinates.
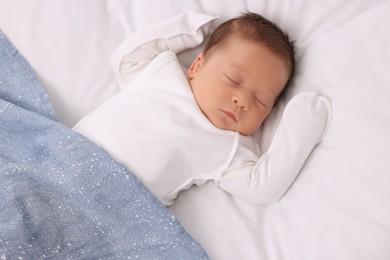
(255, 27)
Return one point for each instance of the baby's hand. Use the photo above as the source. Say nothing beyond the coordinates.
(307, 115)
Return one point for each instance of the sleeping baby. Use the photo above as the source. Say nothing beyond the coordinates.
(175, 128)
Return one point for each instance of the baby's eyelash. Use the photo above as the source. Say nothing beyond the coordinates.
(231, 79)
(257, 99)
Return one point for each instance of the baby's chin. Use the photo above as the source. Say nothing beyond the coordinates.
(245, 133)
(234, 128)
(223, 124)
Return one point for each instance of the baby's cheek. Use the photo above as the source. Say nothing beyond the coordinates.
(258, 119)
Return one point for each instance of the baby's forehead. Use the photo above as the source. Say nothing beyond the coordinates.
(238, 39)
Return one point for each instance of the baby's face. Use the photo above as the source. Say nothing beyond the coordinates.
(237, 83)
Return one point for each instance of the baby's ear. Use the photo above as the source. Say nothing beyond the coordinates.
(195, 66)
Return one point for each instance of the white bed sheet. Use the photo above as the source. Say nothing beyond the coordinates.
(339, 207)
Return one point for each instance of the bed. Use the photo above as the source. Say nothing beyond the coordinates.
(338, 207)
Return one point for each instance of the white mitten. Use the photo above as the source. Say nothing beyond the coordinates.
(304, 123)
(305, 119)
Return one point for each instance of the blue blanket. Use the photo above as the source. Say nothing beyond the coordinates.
(62, 196)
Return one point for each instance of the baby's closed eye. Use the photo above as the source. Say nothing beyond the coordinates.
(235, 82)
(258, 100)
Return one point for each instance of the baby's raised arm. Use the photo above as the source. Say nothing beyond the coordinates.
(176, 33)
(304, 122)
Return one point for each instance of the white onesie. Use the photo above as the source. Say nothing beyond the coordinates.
(156, 129)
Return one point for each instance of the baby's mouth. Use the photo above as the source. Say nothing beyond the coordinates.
(229, 115)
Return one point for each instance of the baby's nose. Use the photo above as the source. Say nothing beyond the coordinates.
(241, 101)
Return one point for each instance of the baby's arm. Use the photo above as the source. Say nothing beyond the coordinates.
(304, 122)
(177, 33)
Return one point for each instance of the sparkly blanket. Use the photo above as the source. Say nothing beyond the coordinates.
(63, 197)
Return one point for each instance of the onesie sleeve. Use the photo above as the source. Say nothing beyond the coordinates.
(303, 124)
(176, 33)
